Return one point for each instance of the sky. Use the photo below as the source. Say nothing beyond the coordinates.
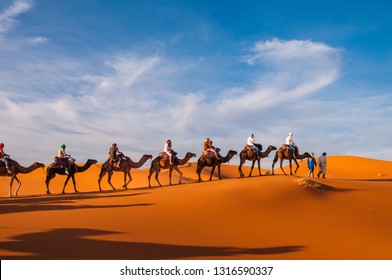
(89, 73)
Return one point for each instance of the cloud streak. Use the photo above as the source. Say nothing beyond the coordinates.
(293, 69)
(8, 15)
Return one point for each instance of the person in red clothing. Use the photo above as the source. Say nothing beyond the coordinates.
(4, 157)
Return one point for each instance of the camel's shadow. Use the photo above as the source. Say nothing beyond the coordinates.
(62, 202)
(76, 243)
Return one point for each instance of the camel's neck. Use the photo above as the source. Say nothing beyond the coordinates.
(22, 169)
(83, 168)
(267, 152)
(228, 157)
(298, 156)
(140, 162)
(185, 159)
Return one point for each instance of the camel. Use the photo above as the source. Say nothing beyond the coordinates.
(212, 161)
(125, 167)
(16, 169)
(251, 155)
(162, 163)
(52, 170)
(286, 153)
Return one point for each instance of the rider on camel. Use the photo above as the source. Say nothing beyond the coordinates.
(208, 148)
(290, 143)
(63, 159)
(4, 158)
(115, 155)
(250, 143)
(168, 150)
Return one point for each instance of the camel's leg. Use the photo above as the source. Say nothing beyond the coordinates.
(258, 164)
(179, 172)
(19, 184)
(149, 175)
(101, 175)
(66, 182)
(47, 186)
(240, 168)
(48, 178)
(295, 160)
(156, 176)
(110, 173)
(219, 171)
(74, 183)
(198, 174)
(281, 166)
(11, 183)
(242, 161)
(251, 169)
(291, 168)
(130, 178)
(212, 171)
(125, 180)
(273, 162)
(170, 174)
(199, 168)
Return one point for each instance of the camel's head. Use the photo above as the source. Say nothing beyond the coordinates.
(273, 148)
(91, 161)
(38, 164)
(232, 152)
(148, 156)
(191, 154)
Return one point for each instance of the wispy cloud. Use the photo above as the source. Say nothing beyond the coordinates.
(8, 15)
(291, 69)
(39, 40)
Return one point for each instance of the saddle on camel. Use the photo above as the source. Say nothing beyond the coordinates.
(65, 162)
(251, 150)
(208, 154)
(165, 158)
(7, 165)
(293, 148)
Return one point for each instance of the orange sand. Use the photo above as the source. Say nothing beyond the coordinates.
(346, 216)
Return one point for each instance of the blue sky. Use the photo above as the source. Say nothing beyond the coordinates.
(89, 73)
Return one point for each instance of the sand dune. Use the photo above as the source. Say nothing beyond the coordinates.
(346, 216)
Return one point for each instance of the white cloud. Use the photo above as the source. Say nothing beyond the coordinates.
(127, 71)
(278, 51)
(292, 69)
(7, 16)
(39, 40)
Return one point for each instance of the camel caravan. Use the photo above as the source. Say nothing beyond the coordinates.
(63, 164)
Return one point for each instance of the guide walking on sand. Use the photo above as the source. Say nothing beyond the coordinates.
(322, 165)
